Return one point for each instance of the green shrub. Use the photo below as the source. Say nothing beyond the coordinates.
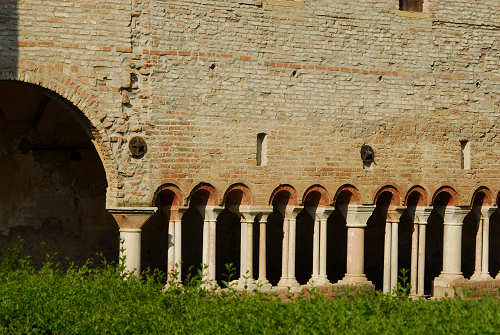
(86, 300)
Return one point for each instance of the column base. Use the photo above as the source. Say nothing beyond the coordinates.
(263, 285)
(479, 276)
(354, 280)
(244, 284)
(288, 282)
(444, 284)
(210, 285)
(318, 281)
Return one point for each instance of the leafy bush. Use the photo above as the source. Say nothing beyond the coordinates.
(85, 300)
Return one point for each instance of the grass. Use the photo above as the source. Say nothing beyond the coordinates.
(86, 300)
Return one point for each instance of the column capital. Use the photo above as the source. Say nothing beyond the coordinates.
(422, 214)
(394, 214)
(211, 212)
(291, 212)
(358, 215)
(324, 212)
(487, 211)
(249, 213)
(131, 217)
(454, 215)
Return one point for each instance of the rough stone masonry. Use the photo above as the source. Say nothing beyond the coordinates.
(254, 114)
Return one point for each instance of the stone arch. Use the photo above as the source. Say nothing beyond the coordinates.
(395, 199)
(50, 78)
(354, 196)
(419, 193)
(486, 195)
(293, 200)
(442, 191)
(177, 196)
(324, 196)
(213, 196)
(246, 195)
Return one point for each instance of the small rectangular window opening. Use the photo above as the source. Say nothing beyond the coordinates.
(261, 149)
(465, 154)
(411, 5)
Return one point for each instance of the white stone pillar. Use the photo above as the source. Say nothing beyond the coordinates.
(262, 280)
(209, 244)
(414, 260)
(394, 254)
(291, 252)
(323, 277)
(422, 214)
(387, 258)
(130, 249)
(357, 217)
(478, 261)
(178, 248)
(284, 254)
(130, 221)
(484, 226)
(171, 252)
(315, 263)
(452, 251)
(288, 258)
(243, 249)
(421, 258)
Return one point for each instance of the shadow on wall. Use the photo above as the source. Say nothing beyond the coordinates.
(8, 35)
(53, 181)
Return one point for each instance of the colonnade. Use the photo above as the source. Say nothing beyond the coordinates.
(130, 221)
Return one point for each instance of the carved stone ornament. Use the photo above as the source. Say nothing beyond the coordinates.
(367, 154)
(137, 146)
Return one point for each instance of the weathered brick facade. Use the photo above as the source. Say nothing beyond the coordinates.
(200, 79)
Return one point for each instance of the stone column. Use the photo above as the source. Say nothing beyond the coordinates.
(130, 221)
(387, 258)
(390, 279)
(210, 215)
(483, 245)
(418, 250)
(288, 257)
(174, 247)
(262, 280)
(319, 275)
(452, 251)
(357, 217)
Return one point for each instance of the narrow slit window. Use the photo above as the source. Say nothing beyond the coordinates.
(411, 5)
(262, 149)
(465, 154)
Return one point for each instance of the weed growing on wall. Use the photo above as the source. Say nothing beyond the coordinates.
(86, 300)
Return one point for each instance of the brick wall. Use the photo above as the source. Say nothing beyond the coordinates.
(319, 77)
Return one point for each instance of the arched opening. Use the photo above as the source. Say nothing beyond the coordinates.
(494, 256)
(337, 237)
(434, 239)
(192, 233)
(228, 240)
(282, 197)
(471, 232)
(304, 237)
(53, 181)
(374, 242)
(406, 230)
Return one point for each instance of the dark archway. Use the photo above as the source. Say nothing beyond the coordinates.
(337, 238)
(469, 232)
(434, 240)
(228, 240)
(274, 235)
(374, 241)
(304, 237)
(192, 234)
(494, 254)
(53, 180)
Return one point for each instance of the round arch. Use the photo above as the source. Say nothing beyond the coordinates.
(445, 189)
(285, 188)
(396, 198)
(246, 199)
(355, 197)
(487, 199)
(85, 107)
(325, 199)
(213, 198)
(423, 199)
